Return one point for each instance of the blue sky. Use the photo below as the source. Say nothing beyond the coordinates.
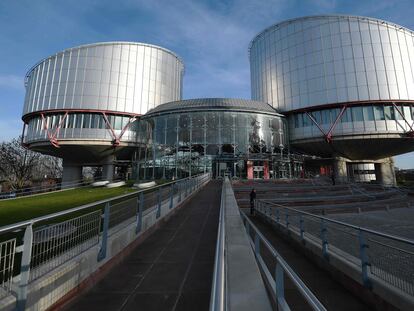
(211, 36)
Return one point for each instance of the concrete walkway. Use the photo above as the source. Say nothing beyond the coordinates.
(329, 292)
(171, 270)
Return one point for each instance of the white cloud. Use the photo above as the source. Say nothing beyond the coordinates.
(11, 82)
(214, 41)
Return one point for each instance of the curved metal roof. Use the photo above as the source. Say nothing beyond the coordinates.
(292, 20)
(200, 104)
(106, 43)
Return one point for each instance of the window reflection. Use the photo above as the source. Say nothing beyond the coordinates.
(203, 138)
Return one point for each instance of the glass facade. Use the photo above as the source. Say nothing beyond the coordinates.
(361, 172)
(81, 126)
(332, 59)
(367, 119)
(185, 142)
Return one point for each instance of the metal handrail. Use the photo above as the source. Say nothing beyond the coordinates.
(218, 299)
(25, 223)
(299, 284)
(376, 258)
(381, 234)
(46, 247)
(39, 189)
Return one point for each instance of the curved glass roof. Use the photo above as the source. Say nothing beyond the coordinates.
(200, 104)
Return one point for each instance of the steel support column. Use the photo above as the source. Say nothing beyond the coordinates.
(328, 135)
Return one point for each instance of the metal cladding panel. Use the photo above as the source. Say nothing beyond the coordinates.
(203, 104)
(318, 60)
(115, 76)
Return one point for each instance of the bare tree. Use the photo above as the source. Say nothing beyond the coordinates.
(17, 164)
(49, 166)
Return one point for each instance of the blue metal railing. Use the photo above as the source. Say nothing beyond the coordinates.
(276, 279)
(384, 256)
(218, 299)
(46, 245)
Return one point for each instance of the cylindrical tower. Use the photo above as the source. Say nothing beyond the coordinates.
(345, 82)
(81, 104)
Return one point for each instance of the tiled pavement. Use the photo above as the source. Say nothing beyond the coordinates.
(171, 270)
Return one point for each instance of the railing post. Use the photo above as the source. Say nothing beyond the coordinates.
(140, 201)
(364, 259)
(324, 239)
(280, 284)
(257, 245)
(102, 251)
(25, 268)
(277, 215)
(172, 196)
(179, 184)
(287, 220)
(186, 187)
(159, 203)
(301, 227)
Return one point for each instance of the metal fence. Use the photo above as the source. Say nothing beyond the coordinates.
(275, 269)
(7, 256)
(42, 189)
(269, 261)
(33, 248)
(387, 257)
(53, 245)
(218, 299)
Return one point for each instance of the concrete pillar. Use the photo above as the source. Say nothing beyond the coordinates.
(340, 171)
(386, 174)
(72, 173)
(108, 169)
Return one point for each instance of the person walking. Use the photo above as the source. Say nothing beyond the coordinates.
(252, 200)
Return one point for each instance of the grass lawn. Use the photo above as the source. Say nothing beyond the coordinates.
(16, 210)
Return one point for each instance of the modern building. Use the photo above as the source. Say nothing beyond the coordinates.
(346, 85)
(83, 104)
(337, 90)
(238, 137)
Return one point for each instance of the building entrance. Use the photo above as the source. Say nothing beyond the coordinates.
(258, 172)
(257, 169)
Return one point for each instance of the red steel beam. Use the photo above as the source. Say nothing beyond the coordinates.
(57, 130)
(111, 129)
(328, 135)
(53, 136)
(338, 117)
(316, 123)
(411, 132)
(130, 121)
(23, 132)
(52, 140)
